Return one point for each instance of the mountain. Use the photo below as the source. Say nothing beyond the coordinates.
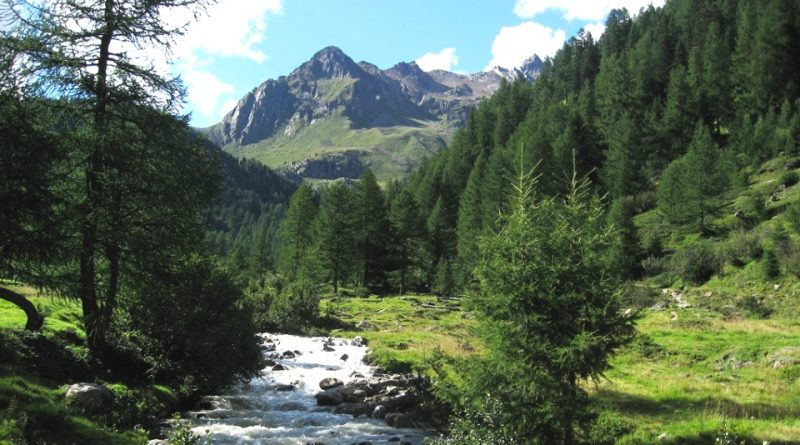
(331, 116)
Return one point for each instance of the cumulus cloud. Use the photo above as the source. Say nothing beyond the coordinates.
(445, 59)
(228, 29)
(204, 90)
(580, 9)
(595, 29)
(514, 44)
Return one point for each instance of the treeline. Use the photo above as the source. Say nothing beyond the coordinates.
(361, 236)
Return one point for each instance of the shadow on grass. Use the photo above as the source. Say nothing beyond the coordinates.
(676, 409)
(709, 405)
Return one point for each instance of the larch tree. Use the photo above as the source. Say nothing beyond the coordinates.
(86, 55)
(408, 231)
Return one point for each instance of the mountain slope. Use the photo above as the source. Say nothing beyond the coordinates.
(331, 116)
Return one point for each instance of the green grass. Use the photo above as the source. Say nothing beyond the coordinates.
(31, 412)
(681, 378)
(390, 152)
(403, 334)
(60, 314)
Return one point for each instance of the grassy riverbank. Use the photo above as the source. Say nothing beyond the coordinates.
(34, 369)
(690, 375)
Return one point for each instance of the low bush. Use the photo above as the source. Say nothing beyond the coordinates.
(695, 263)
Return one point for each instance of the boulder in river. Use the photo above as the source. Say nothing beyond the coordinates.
(398, 420)
(279, 367)
(287, 355)
(330, 397)
(330, 382)
(379, 412)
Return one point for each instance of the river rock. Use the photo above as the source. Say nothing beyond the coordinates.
(327, 348)
(352, 408)
(344, 357)
(330, 382)
(287, 355)
(330, 397)
(379, 412)
(359, 341)
(279, 367)
(398, 420)
(291, 406)
(285, 388)
(89, 397)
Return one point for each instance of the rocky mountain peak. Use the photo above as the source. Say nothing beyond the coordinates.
(329, 63)
(531, 67)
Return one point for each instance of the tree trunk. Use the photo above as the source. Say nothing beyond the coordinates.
(35, 320)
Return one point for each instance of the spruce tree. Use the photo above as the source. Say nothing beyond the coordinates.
(408, 231)
(297, 232)
(372, 230)
(549, 312)
(335, 233)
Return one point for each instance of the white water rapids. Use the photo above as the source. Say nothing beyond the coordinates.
(266, 412)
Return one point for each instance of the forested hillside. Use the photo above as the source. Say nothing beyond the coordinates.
(670, 116)
(246, 213)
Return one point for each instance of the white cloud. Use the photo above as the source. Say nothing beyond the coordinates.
(580, 9)
(227, 29)
(204, 90)
(514, 44)
(595, 29)
(445, 59)
(230, 28)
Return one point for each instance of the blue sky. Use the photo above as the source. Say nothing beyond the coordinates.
(238, 44)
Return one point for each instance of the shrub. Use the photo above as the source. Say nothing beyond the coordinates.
(194, 327)
(695, 263)
(296, 308)
(755, 306)
(789, 178)
(739, 249)
(608, 427)
(654, 265)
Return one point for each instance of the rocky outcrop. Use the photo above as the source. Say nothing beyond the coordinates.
(89, 397)
(341, 165)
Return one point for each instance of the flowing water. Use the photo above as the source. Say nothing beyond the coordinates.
(279, 407)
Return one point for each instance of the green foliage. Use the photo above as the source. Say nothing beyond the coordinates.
(549, 312)
(197, 332)
(335, 234)
(691, 185)
(372, 228)
(608, 427)
(696, 262)
(789, 178)
(408, 230)
(297, 233)
(296, 307)
(444, 281)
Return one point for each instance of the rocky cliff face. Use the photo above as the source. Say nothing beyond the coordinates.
(332, 82)
(332, 85)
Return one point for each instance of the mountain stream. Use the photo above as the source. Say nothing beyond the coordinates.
(279, 407)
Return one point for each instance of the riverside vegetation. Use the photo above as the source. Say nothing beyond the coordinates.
(639, 286)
